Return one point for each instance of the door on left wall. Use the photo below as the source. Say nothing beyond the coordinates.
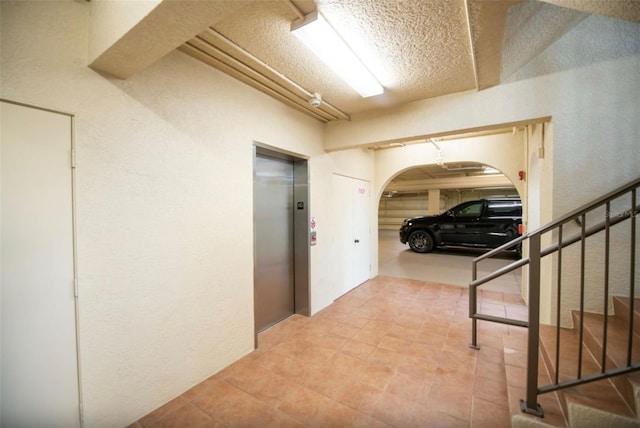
(39, 381)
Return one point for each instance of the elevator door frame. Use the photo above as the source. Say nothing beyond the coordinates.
(301, 218)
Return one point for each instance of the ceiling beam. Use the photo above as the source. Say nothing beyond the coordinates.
(471, 48)
(160, 30)
(450, 183)
(487, 24)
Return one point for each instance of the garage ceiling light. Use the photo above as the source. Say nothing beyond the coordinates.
(316, 33)
(490, 170)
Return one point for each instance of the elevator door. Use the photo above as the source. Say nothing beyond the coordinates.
(274, 269)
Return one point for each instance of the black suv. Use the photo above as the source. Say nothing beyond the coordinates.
(484, 224)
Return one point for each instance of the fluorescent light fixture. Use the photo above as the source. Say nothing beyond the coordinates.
(316, 33)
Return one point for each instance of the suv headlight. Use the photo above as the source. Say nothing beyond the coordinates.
(405, 222)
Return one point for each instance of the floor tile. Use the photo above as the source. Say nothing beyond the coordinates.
(410, 388)
(345, 330)
(385, 357)
(346, 363)
(186, 415)
(486, 414)
(451, 400)
(360, 396)
(232, 406)
(316, 354)
(161, 411)
(391, 353)
(375, 375)
(394, 344)
(398, 412)
(325, 380)
(493, 390)
(262, 383)
(357, 349)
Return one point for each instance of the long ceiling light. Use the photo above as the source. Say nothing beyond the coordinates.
(316, 33)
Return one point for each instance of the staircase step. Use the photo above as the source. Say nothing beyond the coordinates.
(617, 348)
(601, 394)
(621, 307)
(617, 338)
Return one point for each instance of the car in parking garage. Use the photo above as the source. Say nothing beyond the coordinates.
(485, 223)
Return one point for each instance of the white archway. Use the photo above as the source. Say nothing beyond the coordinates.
(506, 152)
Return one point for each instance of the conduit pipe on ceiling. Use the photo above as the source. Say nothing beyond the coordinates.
(216, 57)
(252, 57)
(238, 65)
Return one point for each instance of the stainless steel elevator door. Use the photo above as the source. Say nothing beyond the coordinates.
(274, 251)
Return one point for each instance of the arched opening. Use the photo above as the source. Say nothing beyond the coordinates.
(433, 189)
(429, 179)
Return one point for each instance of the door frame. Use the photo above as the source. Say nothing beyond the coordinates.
(345, 252)
(74, 229)
(301, 218)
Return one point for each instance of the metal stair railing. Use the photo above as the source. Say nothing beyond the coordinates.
(533, 261)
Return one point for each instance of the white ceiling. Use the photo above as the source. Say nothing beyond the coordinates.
(418, 49)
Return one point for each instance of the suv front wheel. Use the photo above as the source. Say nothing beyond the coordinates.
(420, 241)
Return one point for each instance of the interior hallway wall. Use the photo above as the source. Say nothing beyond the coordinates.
(164, 206)
(586, 82)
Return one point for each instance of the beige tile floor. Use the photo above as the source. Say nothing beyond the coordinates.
(392, 352)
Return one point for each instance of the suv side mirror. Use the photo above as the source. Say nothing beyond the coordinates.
(450, 213)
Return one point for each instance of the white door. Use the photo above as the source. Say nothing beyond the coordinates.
(39, 360)
(351, 200)
(361, 232)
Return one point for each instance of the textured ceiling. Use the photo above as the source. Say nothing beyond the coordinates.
(417, 49)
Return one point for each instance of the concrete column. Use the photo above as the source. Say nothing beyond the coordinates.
(434, 202)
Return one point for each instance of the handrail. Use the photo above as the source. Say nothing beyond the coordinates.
(564, 219)
(536, 253)
(549, 250)
(502, 271)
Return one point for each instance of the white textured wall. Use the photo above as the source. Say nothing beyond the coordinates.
(164, 206)
(591, 92)
(594, 109)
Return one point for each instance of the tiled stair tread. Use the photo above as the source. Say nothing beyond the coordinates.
(617, 338)
(616, 348)
(601, 394)
(621, 307)
(568, 352)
